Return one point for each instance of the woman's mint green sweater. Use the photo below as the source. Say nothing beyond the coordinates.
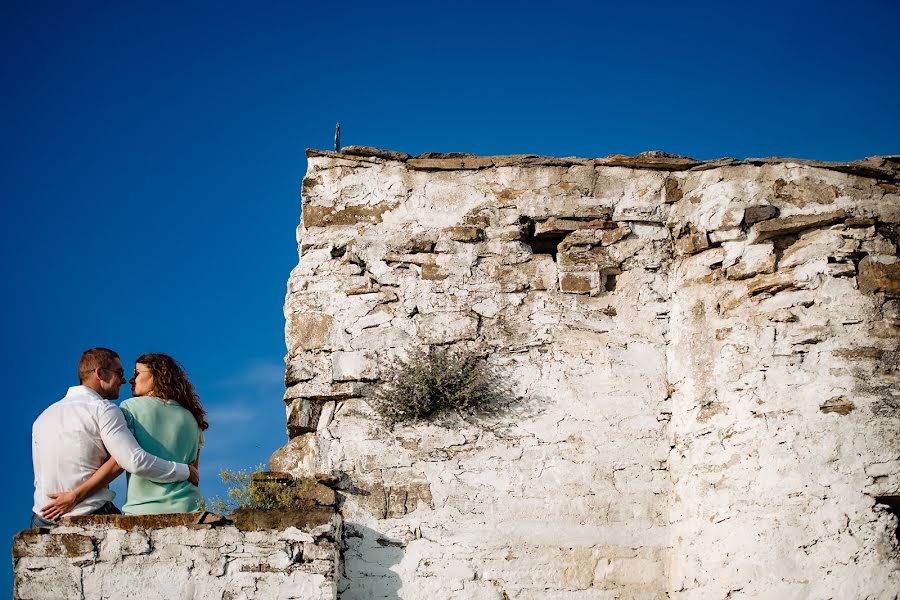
(168, 430)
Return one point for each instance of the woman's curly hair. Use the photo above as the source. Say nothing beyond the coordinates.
(171, 383)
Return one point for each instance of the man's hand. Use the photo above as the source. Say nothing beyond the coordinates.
(194, 477)
(63, 502)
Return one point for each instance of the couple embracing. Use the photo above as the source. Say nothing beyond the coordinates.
(84, 441)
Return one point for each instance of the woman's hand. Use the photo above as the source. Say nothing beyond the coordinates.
(63, 502)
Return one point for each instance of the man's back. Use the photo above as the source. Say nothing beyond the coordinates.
(67, 447)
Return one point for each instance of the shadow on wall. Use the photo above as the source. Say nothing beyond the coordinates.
(366, 564)
(504, 423)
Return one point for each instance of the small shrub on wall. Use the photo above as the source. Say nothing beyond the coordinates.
(435, 383)
(257, 490)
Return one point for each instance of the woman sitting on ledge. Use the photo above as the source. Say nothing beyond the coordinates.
(167, 419)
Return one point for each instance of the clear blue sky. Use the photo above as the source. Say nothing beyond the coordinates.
(152, 153)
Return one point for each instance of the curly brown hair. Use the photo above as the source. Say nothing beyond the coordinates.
(171, 382)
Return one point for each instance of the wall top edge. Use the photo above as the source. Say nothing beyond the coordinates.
(304, 518)
(874, 167)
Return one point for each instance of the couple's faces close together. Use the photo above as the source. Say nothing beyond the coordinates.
(112, 378)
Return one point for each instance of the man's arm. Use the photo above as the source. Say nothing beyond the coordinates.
(64, 502)
(122, 446)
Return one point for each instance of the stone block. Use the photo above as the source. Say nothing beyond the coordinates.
(326, 391)
(610, 237)
(443, 328)
(378, 338)
(731, 218)
(725, 235)
(376, 152)
(692, 243)
(771, 228)
(771, 283)
(508, 233)
(555, 225)
(879, 274)
(464, 234)
(760, 212)
(60, 545)
(297, 371)
(579, 283)
(418, 243)
(332, 216)
(375, 319)
(859, 222)
(319, 551)
(416, 258)
(49, 581)
(486, 308)
(814, 245)
(671, 191)
(541, 273)
(302, 416)
(756, 259)
(433, 273)
(352, 366)
(307, 331)
(124, 543)
(652, 159)
(277, 520)
(508, 253)
(586, 258)
(812, 334)
(455, 163)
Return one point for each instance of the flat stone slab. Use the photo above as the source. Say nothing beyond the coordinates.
(874, 167)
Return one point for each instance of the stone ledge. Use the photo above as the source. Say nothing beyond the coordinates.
(243, 519)
(873, 167)
(129, 522)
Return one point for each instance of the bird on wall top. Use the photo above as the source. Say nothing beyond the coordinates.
(337, 137)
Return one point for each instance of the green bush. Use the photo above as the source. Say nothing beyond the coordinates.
(436, 383)
(238, 492)
(243, 492)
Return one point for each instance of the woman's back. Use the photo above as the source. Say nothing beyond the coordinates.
(170, 431)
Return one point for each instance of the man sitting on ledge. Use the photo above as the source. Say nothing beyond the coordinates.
(75, 436)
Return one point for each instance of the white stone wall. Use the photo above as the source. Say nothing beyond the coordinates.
(706, 355)
(151, 558)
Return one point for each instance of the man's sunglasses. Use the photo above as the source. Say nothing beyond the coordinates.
(120, 372)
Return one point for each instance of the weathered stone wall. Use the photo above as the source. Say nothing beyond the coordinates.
(706, 355)
(169, 557)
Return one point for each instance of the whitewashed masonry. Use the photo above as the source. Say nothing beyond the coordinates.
(706, 355)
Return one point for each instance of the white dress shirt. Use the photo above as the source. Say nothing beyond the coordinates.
(75, 436)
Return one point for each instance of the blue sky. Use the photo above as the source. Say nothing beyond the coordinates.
(152, 153)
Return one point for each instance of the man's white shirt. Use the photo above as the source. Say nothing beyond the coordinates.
(74, 437)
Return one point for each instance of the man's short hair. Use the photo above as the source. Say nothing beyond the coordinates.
(95, 358)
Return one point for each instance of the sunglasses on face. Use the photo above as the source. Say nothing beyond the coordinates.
(120, 373)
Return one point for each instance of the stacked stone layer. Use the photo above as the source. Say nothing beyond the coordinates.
(287, 554)
(706, 356)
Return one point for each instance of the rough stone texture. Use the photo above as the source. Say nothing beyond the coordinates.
(292, 554)
(706, 356)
